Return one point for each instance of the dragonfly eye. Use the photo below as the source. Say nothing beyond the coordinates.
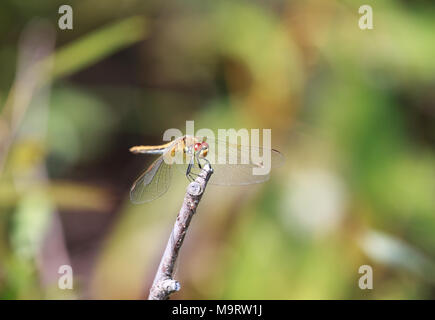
(197, 146)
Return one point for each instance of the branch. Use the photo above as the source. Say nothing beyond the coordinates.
(164, 284)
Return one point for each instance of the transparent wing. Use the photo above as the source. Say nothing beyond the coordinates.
(153, 183)
(236, 164)
(241, 165)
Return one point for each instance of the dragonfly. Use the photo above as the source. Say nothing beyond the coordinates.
(232, 164)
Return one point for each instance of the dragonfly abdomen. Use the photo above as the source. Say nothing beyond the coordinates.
(148, 149)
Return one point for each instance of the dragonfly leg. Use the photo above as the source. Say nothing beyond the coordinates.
(204, 159)
(189, 169)
(197, 160)
(189, 173)
(192, 175)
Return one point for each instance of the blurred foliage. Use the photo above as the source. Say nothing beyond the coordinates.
(353, 111)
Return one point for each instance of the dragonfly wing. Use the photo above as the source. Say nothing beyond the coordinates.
(153, 183)
(235, 175)
(243, 173)
(234, 164)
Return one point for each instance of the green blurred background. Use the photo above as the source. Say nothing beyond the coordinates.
(353, 111)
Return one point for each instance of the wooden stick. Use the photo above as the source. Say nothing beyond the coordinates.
(164, 284)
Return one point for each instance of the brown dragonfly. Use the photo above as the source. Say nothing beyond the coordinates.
(232, 164)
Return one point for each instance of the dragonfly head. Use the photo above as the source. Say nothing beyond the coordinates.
(202, 147)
